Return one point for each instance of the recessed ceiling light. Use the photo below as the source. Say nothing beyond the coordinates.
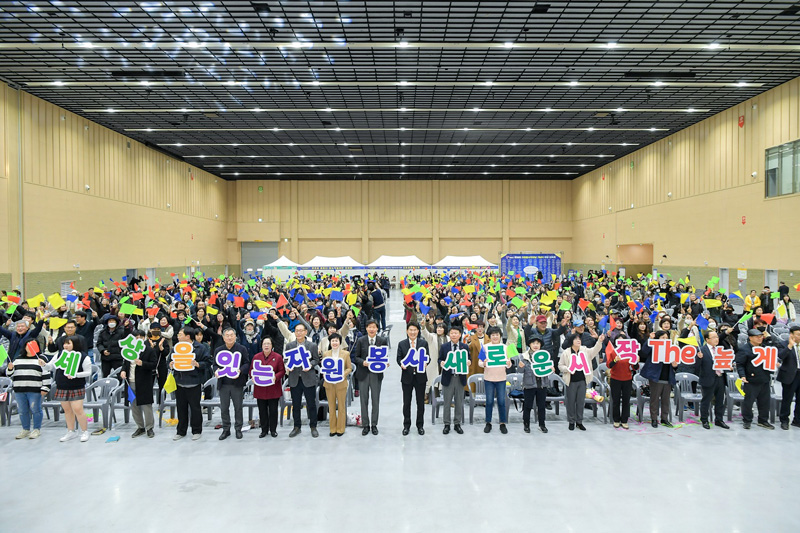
(315, 82)
(111, 110)
(86, 44)
(466, 129)
(573, 83)
(276, 129)
(619, 110)
(178, 144)
(402, 44)
(144, 82)
(548, 109)
(488, 82)
(690, 110)
(713, 46)
(658, 83)
(58, 83)
(202, 157)
(338, 129)
(403, 109)
(402, 129)
(257, 109)
(624, 144)
(328, 109)
(652, 129)
(476, 109)
(149, 130)
(403, 82)
(508, 44)
(741, 84)
(527, 129)
(297, 44)
(291, 144)
(589, 129)
(611, 45)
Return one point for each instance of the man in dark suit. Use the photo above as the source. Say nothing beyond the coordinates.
(452, 385)
(711, 381)
(411, 379)
(303, 382)
(231, 387)
(368, 381)
(789, 376)
(755, 381)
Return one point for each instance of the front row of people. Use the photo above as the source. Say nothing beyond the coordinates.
(31, 377)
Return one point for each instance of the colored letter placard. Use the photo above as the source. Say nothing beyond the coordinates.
(228, 363)
(416, 357)
(542, 364)
(68, 362)
(579, 361)
(183, 357)
(766, 357)
(723, 360)
(496, 355)
(332, 369)
(378, 359)
(298, 357)
(628, 350)
(131, 348)
(263, 375)
(666, 352)
(457, 361)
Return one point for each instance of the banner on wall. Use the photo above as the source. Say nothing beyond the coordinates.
(530, 264)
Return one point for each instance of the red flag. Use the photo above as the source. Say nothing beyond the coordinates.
(33, 347)
(213, 299)
(238, 301)
(281, 301)
(136, 296)
(153, 311)
(72, 285)
(613, 324)
(583, 304)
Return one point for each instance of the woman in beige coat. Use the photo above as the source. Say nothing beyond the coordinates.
(337, 392)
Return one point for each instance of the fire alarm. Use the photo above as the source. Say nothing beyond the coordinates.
(744, 220)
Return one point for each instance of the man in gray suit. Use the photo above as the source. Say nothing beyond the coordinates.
(368, 381)
(302, 379)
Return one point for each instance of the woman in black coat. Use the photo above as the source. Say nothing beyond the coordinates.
(142, 371)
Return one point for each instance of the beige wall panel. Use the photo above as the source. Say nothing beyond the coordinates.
(254, 231)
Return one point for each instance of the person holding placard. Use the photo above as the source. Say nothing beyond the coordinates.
(301, 359)
(535, 365)
(140, 373)
(413, 357)
(622, 357)
(577, 364)
(189, 361)
(31, 383)
(712, 379)
(371, 359)
(336, 368)
(494, 360)
(71, 368)
(231, 367)
(454, 362)
(267, 371)
(660, 376)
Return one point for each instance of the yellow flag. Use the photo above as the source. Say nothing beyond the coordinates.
(351, 298)
(469, 288)
(603, 290)
(211, 310)
(711, 303)
(265, 292)
(56, 300)
(35, 301)
(692, 341)
(261, 304)
(781, 310)
(684, 297)
(56, 322)
(169, 385)
(739, 294)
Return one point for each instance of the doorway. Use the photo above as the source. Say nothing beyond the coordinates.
(724, 280)
(635, 258)
(257, 254)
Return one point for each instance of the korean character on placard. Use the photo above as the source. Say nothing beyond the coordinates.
(131, 348)
(628, 350)
(723, 360)
(298, 357)
(542, 364)
(457, 361)
(183, 356)
(766, 357)
(496, 355)
(378, 359)
(228, 363)
(263, 375)
(332, 369)
(417, 358)
(68, 362)
(664, 351)
(579, 361)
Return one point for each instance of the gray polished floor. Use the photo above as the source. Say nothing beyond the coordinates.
(683, 479)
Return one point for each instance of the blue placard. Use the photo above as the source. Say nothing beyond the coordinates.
(530, 264)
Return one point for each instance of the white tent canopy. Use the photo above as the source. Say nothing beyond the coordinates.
(464, 261)
(333, 262)
(398, 261)
(282, 263)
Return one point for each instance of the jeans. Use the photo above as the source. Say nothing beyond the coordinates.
(29, 403)
(495, 388)
(621, 397)
(380, 316)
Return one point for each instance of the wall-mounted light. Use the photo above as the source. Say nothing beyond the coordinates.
(669, 195)
(260, 220)
(87, 187)
(754, 174)
(169, 206)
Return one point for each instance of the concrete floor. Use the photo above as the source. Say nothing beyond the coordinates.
(602, 480)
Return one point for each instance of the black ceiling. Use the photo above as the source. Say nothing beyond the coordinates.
(384, 90)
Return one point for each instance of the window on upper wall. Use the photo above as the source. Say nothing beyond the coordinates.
(783, 169)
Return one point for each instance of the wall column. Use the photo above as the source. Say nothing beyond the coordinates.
(365, 223)
(435, 219)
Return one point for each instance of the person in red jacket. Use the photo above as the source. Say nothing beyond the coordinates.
(621, 378)
(267, 397)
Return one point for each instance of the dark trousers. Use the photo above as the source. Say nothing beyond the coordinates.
(620, 400)
(758, 393)
(298, 391)
(268, 413)
(380, 316)
(790, 391)
(228, 393)
(109, 366)
(717, 393)
(188, 398)
(540, 395)
(161, 377)
(419, 391)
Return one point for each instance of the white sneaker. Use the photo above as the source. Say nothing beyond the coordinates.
(84, 436)
(196, 436)
(35, 434)
(178, 436)
(22, 434)
(69, 436)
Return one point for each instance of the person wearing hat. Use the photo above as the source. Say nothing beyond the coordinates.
(789, 376)
(533, 387)
(755, 381)
(550, 336)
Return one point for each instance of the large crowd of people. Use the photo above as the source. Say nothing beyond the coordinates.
(573, 339)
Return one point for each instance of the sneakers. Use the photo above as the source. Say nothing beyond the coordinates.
(503, 429)
(138, 433)
(624, 426)
(69, 436)
(616, 425)
(35, 434)
(196, 436)
(178, 436)
(766, 425)
(23, 434)
(84, 436)
(488, 427)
